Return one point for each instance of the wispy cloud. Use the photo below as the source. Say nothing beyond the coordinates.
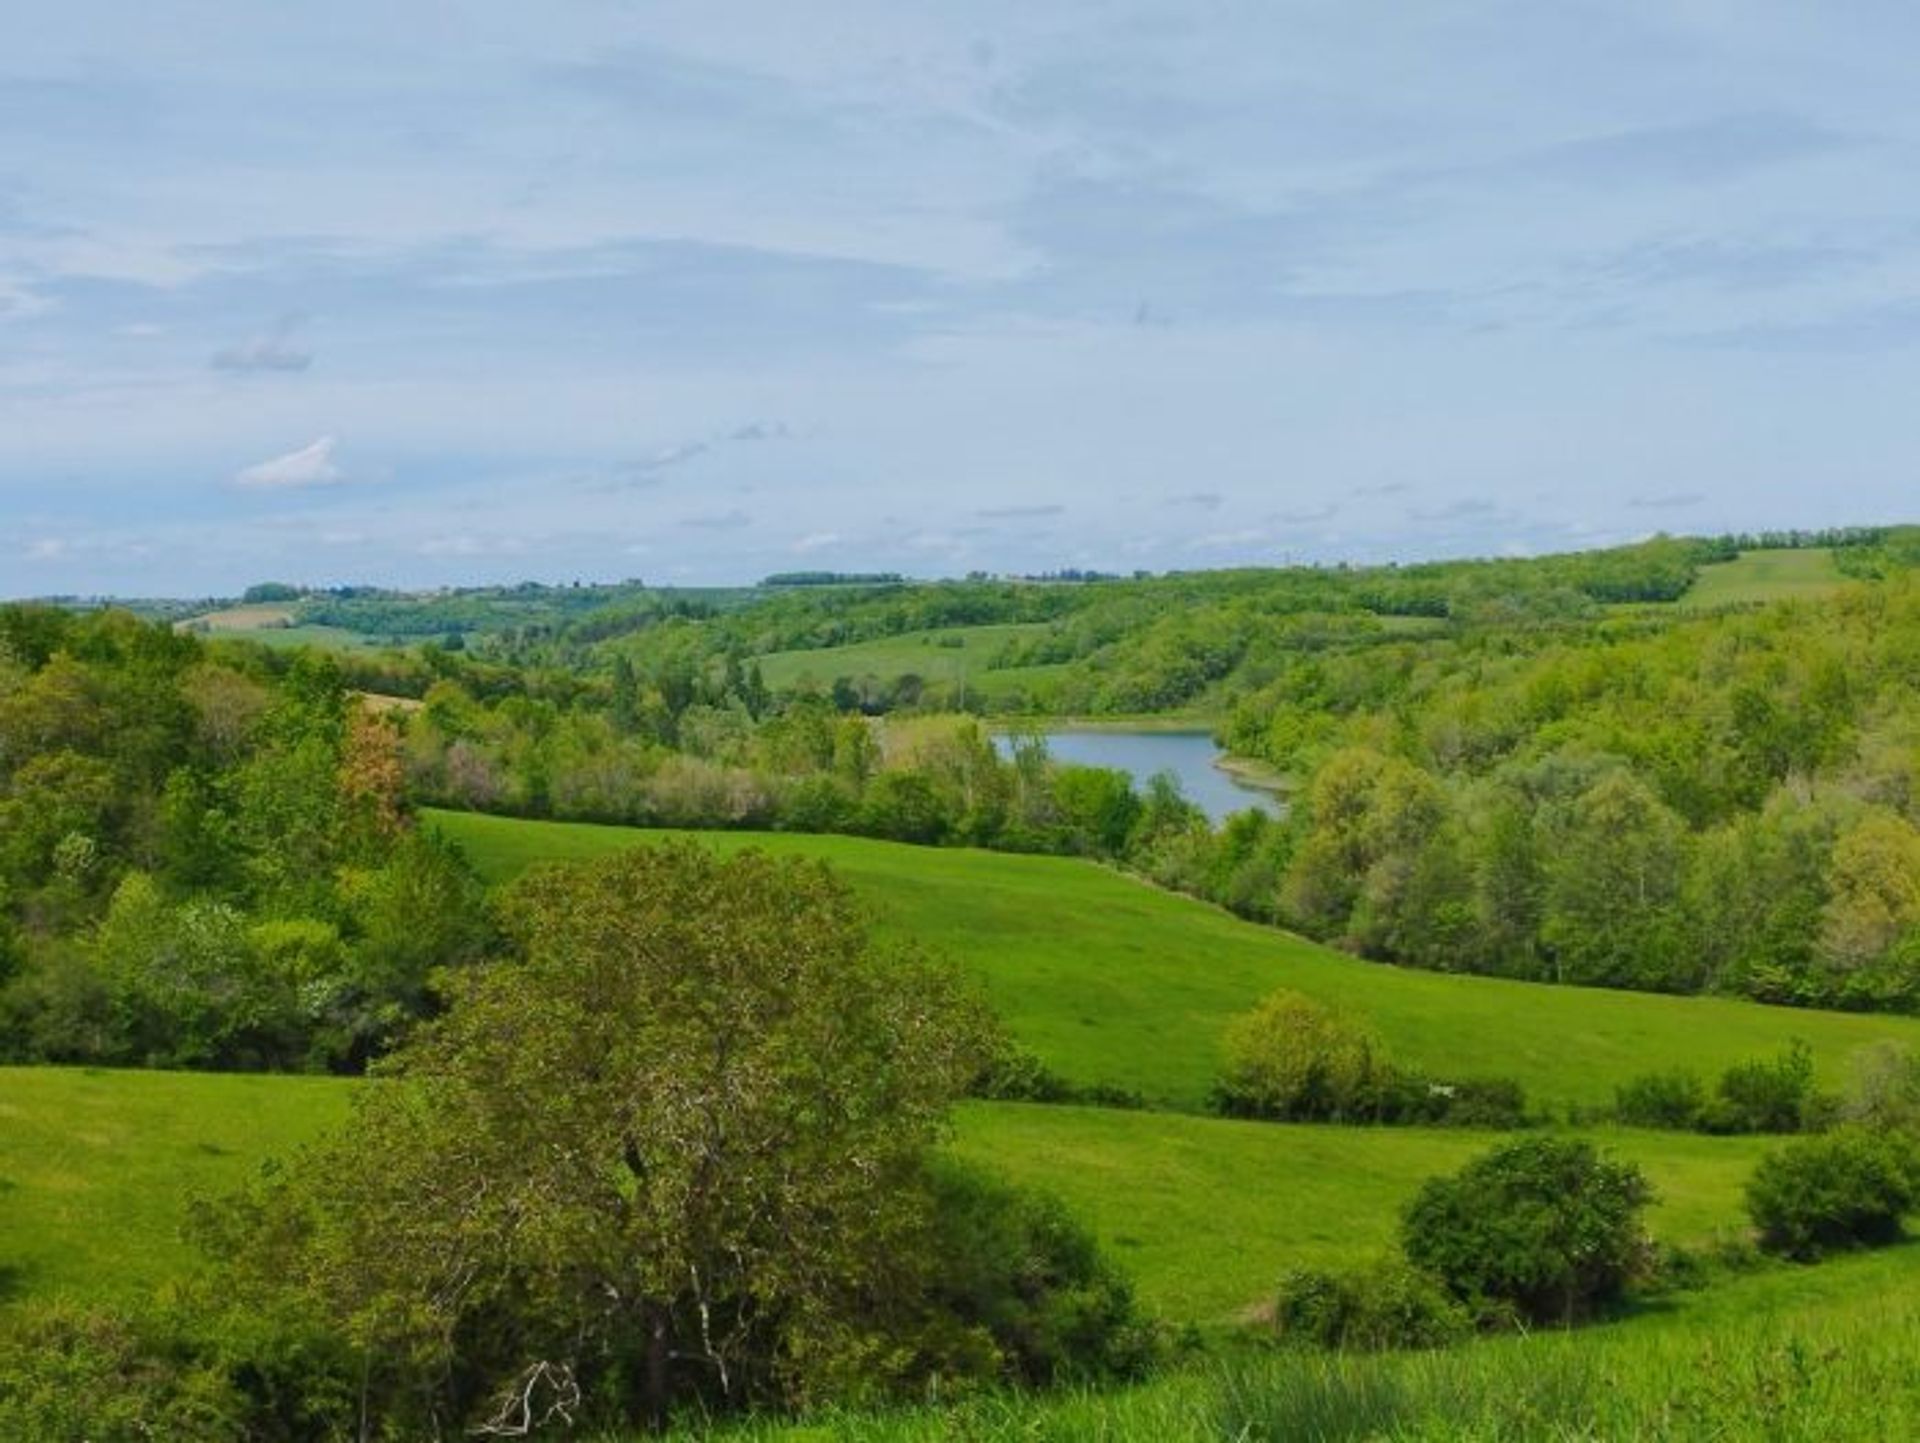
(1667, 501)
(733, 520)
(311, 465)
(1020, 513)
(1467, 508)
(1198, 500)
(276, 349)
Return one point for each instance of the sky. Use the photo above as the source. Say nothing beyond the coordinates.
(457, 292)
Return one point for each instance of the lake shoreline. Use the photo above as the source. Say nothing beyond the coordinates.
(1220, 785)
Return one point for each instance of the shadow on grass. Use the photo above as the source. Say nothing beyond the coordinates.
(13, 1283)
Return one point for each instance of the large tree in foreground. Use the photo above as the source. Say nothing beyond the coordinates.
(676, 1145)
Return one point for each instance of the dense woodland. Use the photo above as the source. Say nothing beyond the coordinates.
(205, 863)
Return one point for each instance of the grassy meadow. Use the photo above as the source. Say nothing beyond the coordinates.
(1756, 577)
(946, 654)
(98, 1167)
(1112, 981)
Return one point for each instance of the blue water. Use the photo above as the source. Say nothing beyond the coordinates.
(1188, 755)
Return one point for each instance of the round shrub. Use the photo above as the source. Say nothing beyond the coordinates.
(1673, 1099)
(1849, 1188)
(1023, 1288)
(1294, 1059)
(1546, 1227)
(1387, 1305)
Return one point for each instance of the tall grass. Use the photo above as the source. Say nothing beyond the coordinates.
(1853, 1375)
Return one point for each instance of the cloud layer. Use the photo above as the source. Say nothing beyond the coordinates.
(1101, 284)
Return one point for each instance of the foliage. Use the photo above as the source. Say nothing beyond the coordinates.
(192, 853)
(676, 1149)
(1675, 1098)
(1387, 1305)
(1849, 1188)
(1296, 1060)
(1021, 1291)
(1545, 1226)
(1883, 1091)
(1764, 1095)
(1293, 1058)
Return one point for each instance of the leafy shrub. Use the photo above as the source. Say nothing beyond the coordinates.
(1546, 1226)
(1491, 1102)
(1674, 1099)
(1292, 1058)
(1765, 1095)
(1018, 1284)
(1386, 1305)
(1883, 1090)
(1849, 1188)
(1015, 1074)
(129, 1377)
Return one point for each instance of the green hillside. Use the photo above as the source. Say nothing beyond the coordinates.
(947, 655)
(1112, 981)
(97, 1170)
(1761, 576)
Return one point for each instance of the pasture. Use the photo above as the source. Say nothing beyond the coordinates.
(1112, 981)
(98, 1169)
(1756, 577)
(947, 655)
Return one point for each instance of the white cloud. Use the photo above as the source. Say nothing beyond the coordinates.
(47, 548)
(816, 541)
(311, 465)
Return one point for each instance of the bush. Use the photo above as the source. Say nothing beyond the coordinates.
(1387, 1305)
(1675, 1099)
(128, 1377)
(1884, 1088)
(1545, 1226)
(1850, 1188)
(1019, 1285)
(1295, 1060)
(1491, 1102)
(1014, 1074)
(1765, 1095)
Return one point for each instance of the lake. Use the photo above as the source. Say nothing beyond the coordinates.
(1190, 756)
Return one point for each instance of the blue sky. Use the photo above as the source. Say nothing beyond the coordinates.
(420, 294)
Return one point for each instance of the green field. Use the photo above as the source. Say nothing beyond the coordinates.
(1113, 981)
(968, 654)
(97, 1169)
(1762, 576)
(1207, 1213)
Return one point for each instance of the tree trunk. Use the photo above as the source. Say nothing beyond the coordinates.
(659, 1377)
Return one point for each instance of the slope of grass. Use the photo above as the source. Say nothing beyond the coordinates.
(1760, 576)
(1112, 981)
(967, 651)
(1206, 1214)
(97, 1169)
